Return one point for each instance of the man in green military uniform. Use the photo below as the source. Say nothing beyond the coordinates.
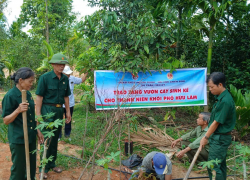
(222, 122)
(52, 92)
(198, 133)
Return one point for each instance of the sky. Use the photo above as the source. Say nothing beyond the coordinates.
(14, 9)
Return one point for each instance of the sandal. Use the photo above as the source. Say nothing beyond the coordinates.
(57, 169)
(45, 175)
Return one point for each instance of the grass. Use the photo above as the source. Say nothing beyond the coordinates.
(67, 162)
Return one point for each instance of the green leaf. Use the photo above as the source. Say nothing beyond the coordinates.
(146, 48)
(105, 165)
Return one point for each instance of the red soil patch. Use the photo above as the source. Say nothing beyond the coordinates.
(73, 174)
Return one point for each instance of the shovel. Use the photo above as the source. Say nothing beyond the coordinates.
(25, 132)
(192, 164)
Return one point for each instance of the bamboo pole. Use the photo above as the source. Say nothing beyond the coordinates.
(26, 137)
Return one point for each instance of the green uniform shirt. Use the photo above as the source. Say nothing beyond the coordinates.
(224, 113)
(52, 89)
(197, 133)
(10, 103)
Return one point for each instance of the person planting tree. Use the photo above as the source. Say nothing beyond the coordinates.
(52, 92)
(157, 164)
(12, 116)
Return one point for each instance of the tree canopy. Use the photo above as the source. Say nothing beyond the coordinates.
(134, 35)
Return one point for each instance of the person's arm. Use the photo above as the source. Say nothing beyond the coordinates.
(186, 136)
(84, 77)
(184, 151)
(168, 176)
(39, 102)
(173, 144)
(10, 118)
(68, 116)
(210, 131)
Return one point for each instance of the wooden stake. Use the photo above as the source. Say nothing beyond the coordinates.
(192, 164)
(26, 139)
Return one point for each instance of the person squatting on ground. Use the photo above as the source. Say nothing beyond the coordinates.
(198, 133)
(222, 122)
(72, 81)
(155, 163)
(12, 116)
(52, 92)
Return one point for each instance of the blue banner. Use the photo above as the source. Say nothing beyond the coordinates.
(183, 87)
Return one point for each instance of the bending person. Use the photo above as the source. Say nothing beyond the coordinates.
(157, 164)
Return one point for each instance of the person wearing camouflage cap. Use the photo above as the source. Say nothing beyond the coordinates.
(52, 92)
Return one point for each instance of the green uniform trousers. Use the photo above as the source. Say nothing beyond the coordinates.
(218, 149)
(18, 169)
(53, 141)
(203, 156)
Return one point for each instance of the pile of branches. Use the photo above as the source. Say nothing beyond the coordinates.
(153, 137)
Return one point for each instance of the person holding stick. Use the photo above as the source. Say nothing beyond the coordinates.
(52, 92)
(12, 116)
(222, 122)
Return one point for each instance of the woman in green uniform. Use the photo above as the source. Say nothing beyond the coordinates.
(12, 116)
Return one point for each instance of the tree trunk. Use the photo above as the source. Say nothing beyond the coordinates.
(85, 131)
(244, 170)
(128, 139)
(179, 32)
(45, 148)
(209, 59)
(47, 27)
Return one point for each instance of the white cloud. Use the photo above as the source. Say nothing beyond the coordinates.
(13, 10)
(81, 6)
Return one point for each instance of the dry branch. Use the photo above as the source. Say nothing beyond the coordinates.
(152, 137)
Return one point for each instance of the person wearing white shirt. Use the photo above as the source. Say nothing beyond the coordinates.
(72, 81)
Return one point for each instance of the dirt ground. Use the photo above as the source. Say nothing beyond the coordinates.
(73, 174)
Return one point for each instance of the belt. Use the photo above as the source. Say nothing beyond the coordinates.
(229, 133)
(56, 105)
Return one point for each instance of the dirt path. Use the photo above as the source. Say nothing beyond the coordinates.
(73, 174)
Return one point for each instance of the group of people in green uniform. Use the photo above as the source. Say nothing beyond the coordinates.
(53, 91)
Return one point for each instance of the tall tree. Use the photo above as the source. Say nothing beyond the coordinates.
(60, 20)
(212, 14)
(134, 35)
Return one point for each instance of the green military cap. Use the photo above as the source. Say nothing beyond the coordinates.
(59, 59)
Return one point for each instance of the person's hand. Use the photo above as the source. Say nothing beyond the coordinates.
(180, 154)
(174, 143)
(68, 118)
(40, 137)
(203, 142)
(23, 107)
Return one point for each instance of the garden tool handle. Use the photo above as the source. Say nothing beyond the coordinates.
(25, 132)
(192, 164)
